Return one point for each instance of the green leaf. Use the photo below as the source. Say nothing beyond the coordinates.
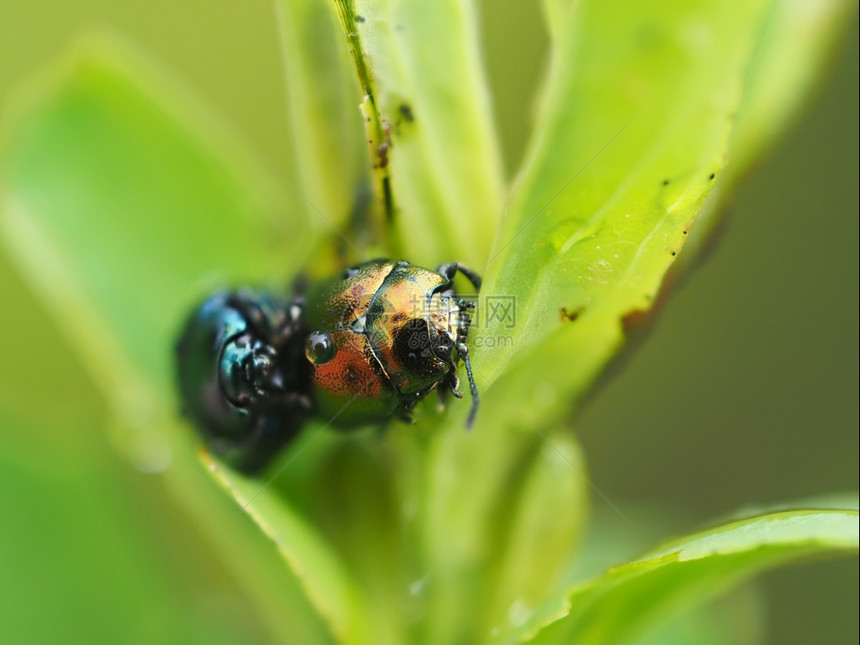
(546, 523)
(327, 583)
(632, 133)
(331, 168)
(780, 80)
(164, 206)
(54, 537)
(629, 598)
(589, 234)
(737, 619)
(420, 64)
(75, 400)
(484, 496)
(122, 208)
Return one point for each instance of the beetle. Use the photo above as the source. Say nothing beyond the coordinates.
(358, 348)
(243, 379)
(384, 335)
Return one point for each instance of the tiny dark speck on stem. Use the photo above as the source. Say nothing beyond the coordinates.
(673, 253)
(712, 175)
(665, 182)
(359, 18)
(406, 111)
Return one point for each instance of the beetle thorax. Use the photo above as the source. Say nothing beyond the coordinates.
(443, 316)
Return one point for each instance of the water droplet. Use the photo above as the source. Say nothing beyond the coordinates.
(518, 613)
(319, 348)
(417, 587)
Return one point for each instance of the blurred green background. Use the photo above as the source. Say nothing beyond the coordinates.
(761, 341)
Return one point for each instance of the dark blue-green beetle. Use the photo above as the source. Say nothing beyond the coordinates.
(243, 378)
(359, 348)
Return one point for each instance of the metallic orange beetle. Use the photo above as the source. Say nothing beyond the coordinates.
(386, 334)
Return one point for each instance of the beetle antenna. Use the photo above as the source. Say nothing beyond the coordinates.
(471, 276)
(463, 351)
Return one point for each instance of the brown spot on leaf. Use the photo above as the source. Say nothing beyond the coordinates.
(570, 315)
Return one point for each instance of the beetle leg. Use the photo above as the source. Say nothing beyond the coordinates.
(409, 401)
(454, 385)
(450, 385)
(404, 411)
(450, 269)
(289, 324)
(442, 397)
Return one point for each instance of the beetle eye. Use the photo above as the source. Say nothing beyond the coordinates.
(319, 348)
